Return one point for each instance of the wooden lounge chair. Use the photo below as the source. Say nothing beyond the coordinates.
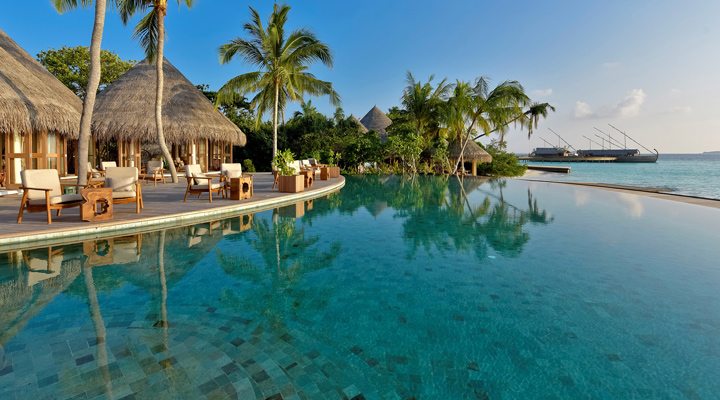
(125, 185)
(42, 264)
(198, 183)
(93, 173)
(154, 172)
(104, 165)
(42, 191)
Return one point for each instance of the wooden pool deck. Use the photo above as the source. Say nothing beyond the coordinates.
(164, 207)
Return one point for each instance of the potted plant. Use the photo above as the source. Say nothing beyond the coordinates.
(331, 170)
(289, 181)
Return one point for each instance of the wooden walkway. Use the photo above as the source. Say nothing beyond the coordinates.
(163, 207)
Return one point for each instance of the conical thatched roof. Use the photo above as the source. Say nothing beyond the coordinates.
(362, 127)
(126, 109)
(472, 152)
(31, 98)
(376, 120)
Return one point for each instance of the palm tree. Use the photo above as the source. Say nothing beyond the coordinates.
(487, 110)
(94, 79)
(151, 32)
(422, 103)
(282, 63)
(528, 119)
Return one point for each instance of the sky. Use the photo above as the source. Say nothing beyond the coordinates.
(651, 68)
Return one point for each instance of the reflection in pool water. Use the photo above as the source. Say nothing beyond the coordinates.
(393, 288)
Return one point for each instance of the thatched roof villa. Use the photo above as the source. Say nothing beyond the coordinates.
(362, 127)
(198, 133)
(376, 120)
(38, 114)
(473, 154)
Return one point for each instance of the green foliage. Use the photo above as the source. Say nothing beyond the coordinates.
(503, 163)
(282, 162)
(248, 165)
(71, 65)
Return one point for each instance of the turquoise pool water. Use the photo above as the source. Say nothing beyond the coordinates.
(391, 289)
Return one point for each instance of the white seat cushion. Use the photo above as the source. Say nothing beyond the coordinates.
(205, 187)
(63, 198)
(123, 194)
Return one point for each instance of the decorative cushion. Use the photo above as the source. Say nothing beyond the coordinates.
(121, 184)
(202, 182)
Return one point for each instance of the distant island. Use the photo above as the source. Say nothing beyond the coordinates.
(712, 152)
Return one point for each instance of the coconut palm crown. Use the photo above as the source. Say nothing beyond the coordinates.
(282, 60)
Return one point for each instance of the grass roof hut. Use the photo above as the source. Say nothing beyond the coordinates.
(473, 153)
(197, 131)
(37, 115)
(362, 127)
(376, 120)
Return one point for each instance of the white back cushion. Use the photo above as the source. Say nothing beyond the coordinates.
(41, 179)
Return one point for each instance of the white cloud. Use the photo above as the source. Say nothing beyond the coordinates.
(583, 110)
(631, 104)
(611, 64)
(542, 92)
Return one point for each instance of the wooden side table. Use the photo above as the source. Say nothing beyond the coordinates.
(241, 188)
(309, 177)
(97, 204)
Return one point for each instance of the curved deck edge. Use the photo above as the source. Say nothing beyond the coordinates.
(71, 235)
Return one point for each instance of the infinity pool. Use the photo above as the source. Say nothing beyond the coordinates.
(424, 288)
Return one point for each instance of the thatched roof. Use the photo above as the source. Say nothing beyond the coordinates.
(472, 152)
(362, 127)
(376, 120)
(126, 109)
(31, 98)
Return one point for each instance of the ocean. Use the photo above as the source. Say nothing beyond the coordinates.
(688, 174)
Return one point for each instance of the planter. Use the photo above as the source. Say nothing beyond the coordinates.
(329, 172)
(291, 183)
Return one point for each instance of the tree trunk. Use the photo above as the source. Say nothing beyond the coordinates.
(163, 290)
(159, 94)
(100, 332)
(275, 119)
(91, 91)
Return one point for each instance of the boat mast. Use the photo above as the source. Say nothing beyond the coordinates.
(612, 139)
(548, 143)
(635, 141)
(560, 137)
(592, 141)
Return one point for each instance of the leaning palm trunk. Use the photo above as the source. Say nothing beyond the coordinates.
(91, 92)
(464, 144)
(159, 93)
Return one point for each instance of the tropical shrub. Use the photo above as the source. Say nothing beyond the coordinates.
(503, 163)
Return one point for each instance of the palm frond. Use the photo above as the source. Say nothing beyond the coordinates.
(62, 6)
(248, 50)
(148, 32)
(128, 8)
